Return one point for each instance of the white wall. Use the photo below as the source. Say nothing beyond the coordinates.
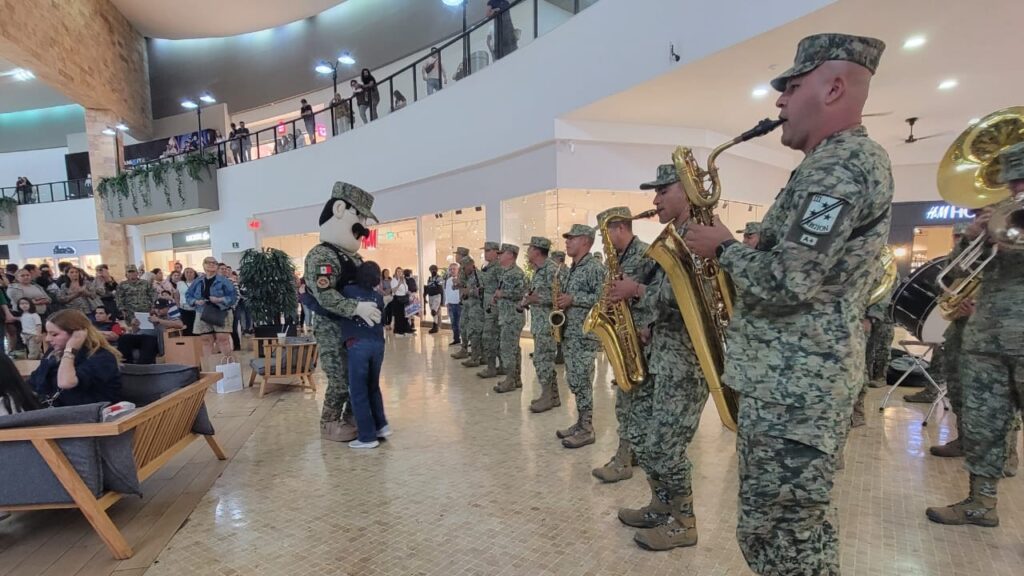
(214, 116)
(54, 222)
(915, 182)
(39, 166)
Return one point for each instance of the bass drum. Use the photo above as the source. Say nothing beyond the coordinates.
(915, 303)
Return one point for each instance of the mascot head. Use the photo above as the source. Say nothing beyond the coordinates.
(343, 219)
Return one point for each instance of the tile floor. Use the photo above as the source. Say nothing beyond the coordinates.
(473, 483)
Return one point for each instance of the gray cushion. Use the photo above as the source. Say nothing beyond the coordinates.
(143, 384)
(25, 477)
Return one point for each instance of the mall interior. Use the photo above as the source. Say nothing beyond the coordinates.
(465, 141)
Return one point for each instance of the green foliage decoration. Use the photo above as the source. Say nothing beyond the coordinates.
(137, 185)
(267, 279)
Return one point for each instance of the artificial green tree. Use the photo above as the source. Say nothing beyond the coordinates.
(267, 280)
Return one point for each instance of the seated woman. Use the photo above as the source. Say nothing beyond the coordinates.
(81, 367)
(15, 396)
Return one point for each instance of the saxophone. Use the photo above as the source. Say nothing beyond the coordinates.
(557, 316)
(702, 290)
(613, 324)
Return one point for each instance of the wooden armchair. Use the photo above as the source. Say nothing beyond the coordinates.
(294, 362)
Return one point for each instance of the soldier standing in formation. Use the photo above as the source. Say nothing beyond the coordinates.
(460, 283)
(992, 369)
(539, 301)
(472, 312)
(632, 264)
(796, 343)
(490, 275)
(581, 287)
(134, 294)
(511, 289)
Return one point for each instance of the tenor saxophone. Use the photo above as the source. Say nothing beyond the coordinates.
(612, 322)
(702, 290)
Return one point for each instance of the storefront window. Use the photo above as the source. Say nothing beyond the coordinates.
(445, 231)
(930, 242)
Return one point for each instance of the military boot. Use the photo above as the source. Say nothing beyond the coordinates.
(620, 467)
(489, 372)
(951, 449)
(584, 434)
(655, 513)
(502, 371)
(471, 363)
(925, 396)
(1012, 463)
(680, 531)
(343, 430)
(462, 353)
(570, 431)
(857, 419)
(978, 508)
(506, 385)
(542, 399)
(548, 398)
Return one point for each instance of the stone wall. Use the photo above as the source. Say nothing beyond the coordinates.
(85, 49)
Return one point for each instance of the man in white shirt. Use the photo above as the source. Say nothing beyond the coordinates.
(451, 298)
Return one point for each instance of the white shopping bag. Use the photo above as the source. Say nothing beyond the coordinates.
(231, 381)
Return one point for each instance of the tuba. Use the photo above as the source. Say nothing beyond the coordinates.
(702, 290)
(613, 324)
(969, 177)
(557, 317)
(889, 276)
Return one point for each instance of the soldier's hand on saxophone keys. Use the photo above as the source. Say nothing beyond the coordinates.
(564, 301)
(623, 289)
(497, 296)
(703, 240)
(532, 298)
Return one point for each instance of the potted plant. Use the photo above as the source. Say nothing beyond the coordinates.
(266, 279)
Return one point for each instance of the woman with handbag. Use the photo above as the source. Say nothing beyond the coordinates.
(213, 296)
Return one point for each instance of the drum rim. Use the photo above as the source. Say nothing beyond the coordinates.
(918, 328)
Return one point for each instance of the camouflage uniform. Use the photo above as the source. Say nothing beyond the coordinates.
(796, 343)
(472, 313)
(583, 281)
(511, 321)
(544, 347)
(132, 297)
(877, 346)
(490, 275)
(992, 372)
(326, 274)
(632, 264)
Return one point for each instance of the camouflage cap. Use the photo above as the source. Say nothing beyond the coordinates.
(579, 230)
(750, 228)
(613, 214)
(539, 242)
(558, 255)
(356, 197)
(466, 261)
(462, 251)
(491, 246)
(960, 228)
(1012, 159)
(815, 50)
(666, 175)
(130, 268)
(506, 247)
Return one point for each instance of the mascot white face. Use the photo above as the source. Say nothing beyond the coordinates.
(345, 229)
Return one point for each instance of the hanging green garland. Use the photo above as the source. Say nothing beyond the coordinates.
(136, 186)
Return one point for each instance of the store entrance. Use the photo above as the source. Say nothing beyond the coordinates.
(930, 242)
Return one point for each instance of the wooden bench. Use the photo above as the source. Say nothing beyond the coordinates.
(162, 430)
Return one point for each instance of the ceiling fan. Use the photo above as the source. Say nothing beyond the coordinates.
(910, 139)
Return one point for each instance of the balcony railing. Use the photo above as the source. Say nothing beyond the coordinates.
(49, 191)
(469, 52)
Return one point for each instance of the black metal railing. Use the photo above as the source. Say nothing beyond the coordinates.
(49, 191)
(472, 50)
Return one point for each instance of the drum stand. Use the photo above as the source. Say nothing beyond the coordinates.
(919, 363)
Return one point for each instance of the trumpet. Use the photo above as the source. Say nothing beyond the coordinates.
(523, 306)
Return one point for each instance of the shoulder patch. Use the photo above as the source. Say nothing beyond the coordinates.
(324, 269)
(820, 215)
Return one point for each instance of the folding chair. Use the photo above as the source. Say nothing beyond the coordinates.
(918, 363)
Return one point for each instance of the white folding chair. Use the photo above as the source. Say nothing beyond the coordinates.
(918, 363)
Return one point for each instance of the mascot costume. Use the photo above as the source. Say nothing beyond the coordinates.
(330, 266)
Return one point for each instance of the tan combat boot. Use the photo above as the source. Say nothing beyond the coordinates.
(343, 430)
(620, 467)
(541, 400)
(570, 431)
(489, 372)
(462, 353)
(548, 398)
(655, 513)
(584, 435)
(506, 385)
(951, 449)
(502, 371)
(679, 532)
(1012, 463)
(977, 509)
(471, 363)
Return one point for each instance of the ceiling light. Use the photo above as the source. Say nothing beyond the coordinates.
(208, 98)
(23, 75)
(108, 131)
(452, 2)
(973, 121)
(759, 92)
(189, 104)
(122, 127)
(948, 84)
(323, 68)
(346, 58)
(914, 42)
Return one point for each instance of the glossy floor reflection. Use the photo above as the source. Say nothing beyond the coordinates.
(473, 483)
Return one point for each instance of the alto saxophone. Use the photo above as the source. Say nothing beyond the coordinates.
(557, 317)
(612, 323)
(702, 290)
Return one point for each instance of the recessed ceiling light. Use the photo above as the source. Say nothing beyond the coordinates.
(189, 104)
(346, 58)
(209, 99)
(323, 68)
(973, 121)
(914, 42)
(122, 127)
(23, 75)
(948, 84)
(108, 131)
(759, 92)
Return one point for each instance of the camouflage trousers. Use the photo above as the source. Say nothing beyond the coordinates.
(334, 363)
(473, 328)
(544, 351)
(663, 416)
(787, 457)
(624, 413)
(993, 393)
(491, 347)
(511, 330)
(949, 370)
(579, 370)
(878, 348)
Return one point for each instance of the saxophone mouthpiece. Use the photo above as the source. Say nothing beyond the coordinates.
(763, 127)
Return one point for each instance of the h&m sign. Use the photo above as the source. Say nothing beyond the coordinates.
(947, 212)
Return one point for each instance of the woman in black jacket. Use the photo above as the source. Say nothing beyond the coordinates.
(81, 366)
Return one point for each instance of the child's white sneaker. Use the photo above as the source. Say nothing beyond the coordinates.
(385, 431)
(358, 444)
